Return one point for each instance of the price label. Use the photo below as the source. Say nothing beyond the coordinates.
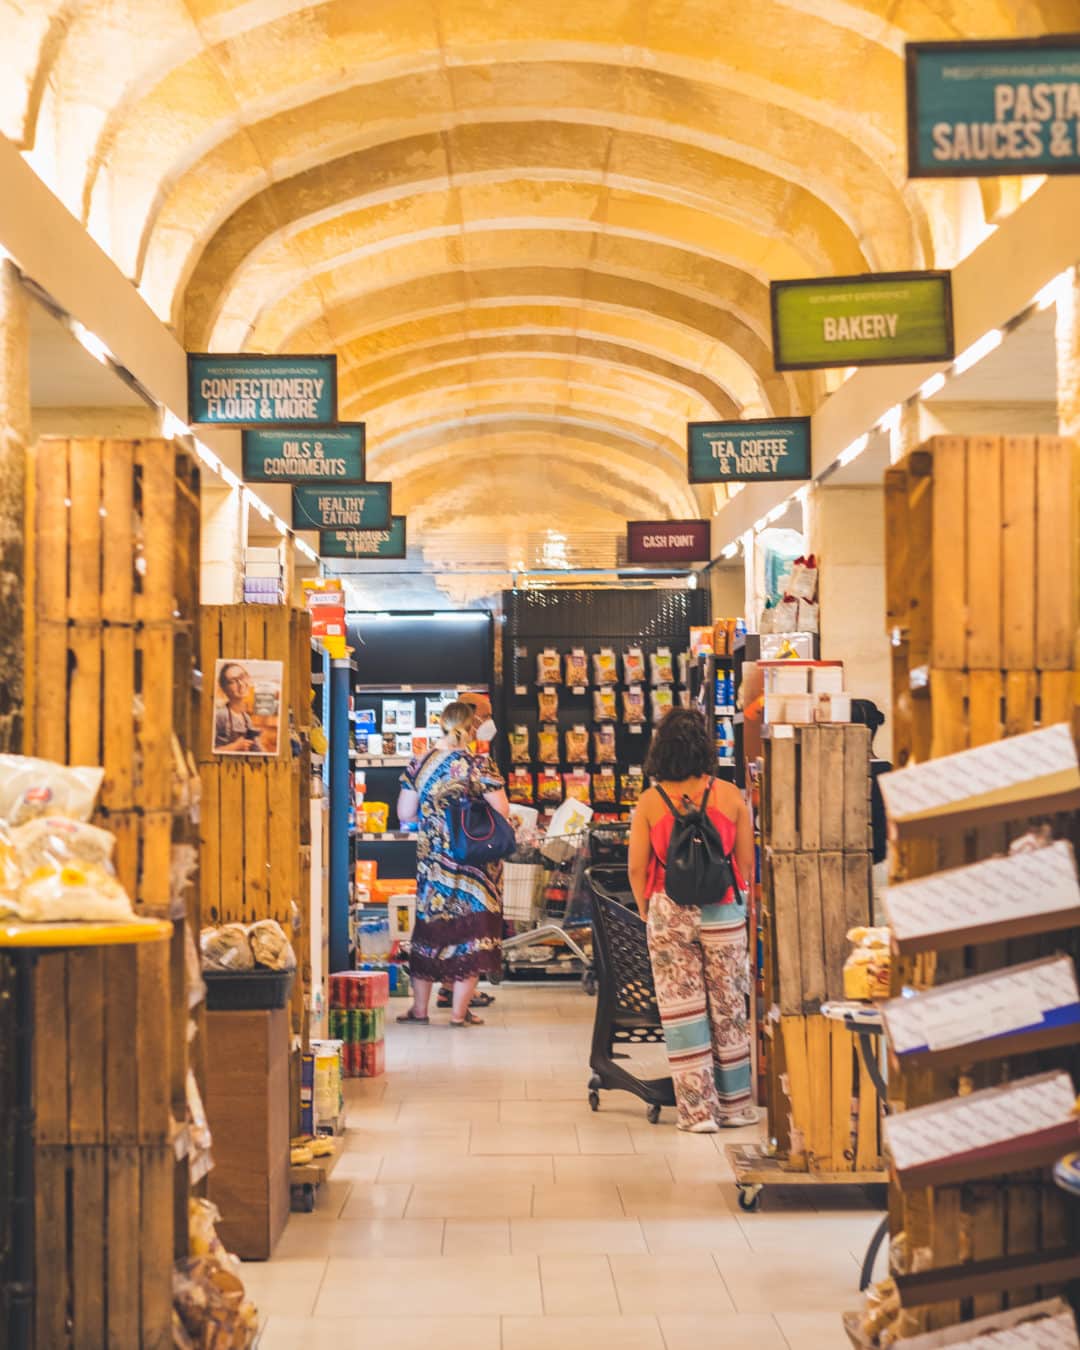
(579, 689)
(521, 690)
(636, 730)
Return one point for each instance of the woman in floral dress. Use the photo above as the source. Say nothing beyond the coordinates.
(458, 932)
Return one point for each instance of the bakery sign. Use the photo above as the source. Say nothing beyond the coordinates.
(661, 542)
(760, 450)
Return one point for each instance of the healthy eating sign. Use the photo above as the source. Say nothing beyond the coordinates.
(277, 455)
(336, 508)
(981, 109)
(252, 391)
(389, 543)
(760, 450)
(891, 318)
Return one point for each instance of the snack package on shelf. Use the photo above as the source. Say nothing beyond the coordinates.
(633, 701)
(631, 785)
(548, 667)
(578, 785)
(547, 745)
(633, 666)
(548, 704)
(604, 744)
(663, 668)
(520, 787)
(549, 786)
(605, 707)
(663, 700)
(605, 792)
(577, 668)
(377, 817)
(868, 969)
(577, 745)
(518, 738)
(605, 667)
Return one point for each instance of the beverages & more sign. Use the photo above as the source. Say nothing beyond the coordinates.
(277, 455)
(251, 391)
(390, 543)
(668, 541)
(366, 507)
(753, 451)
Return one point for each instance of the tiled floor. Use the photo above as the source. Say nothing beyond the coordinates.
(481, 1205)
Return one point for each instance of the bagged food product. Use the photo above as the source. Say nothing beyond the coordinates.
(34, 787)
(520, 787)
(605, 667)
(547, 745)
(71, 893)
(633, 666)
(270, 947)
(604, 705)
(578, 786)
(604, 789)
(226, 948)
(51, 839)
(549, 786)
(868, 968)
(577, 668)
(577, 745)
(548, 703)
(199, 1136)
(548, 667)
(631, 785)
(193, 980)
(377, 817)
(604, 744)
(519, 744)
(663, 669)
(633, 701)
(662, 702)
(804, 578)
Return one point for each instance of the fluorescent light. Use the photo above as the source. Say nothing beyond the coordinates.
(932, 386)
(890, 422)
(854, 450)
(802, 494)
(1055, 290)
(90, 342)
(974, 354)
(280, 526)
(759, 525)
(734, 489)
(776, 512)
(691, 581)
(729, 551)
(305, 548)
(229, 477)
(172, 426)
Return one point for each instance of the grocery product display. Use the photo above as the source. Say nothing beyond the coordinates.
(358, 1001)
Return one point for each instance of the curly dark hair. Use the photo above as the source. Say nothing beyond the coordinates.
(681, 747)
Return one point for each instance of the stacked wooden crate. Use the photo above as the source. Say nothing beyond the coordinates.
(981, 599)
(817, 885)
(113, 561)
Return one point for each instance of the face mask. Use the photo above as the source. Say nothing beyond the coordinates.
(486, 731)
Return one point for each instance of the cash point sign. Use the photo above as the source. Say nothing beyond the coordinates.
(982, 109)
(253, 391)
(389, 543)
(658, 542)
(891, 318)
(366, 507)
(755, 451)
(279, 455)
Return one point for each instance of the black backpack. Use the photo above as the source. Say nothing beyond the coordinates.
(699, 872)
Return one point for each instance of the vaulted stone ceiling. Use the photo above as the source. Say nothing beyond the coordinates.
(538, 235)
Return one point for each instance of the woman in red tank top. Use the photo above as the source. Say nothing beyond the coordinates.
(698, 952)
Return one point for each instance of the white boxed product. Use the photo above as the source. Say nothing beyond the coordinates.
(262, 555)
(787, 679)
(826, 679)
(262, 569)
(374, 743)
(775, 708)
(401, 912)
(800, 708)
(834, 708)
(1049, 1325)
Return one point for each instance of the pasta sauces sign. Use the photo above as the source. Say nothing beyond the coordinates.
(982, 109)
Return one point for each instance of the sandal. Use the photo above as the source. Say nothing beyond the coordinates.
(411, 1016)
(481, 1000)
(468, 1021)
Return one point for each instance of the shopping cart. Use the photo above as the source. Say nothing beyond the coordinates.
(545, 902)
(626, 1009)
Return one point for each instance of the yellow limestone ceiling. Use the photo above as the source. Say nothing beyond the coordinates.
(539, 236)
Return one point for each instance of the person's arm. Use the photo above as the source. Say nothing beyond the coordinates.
(408, 805)
(640, 850)
(499, 801)
(744, 843)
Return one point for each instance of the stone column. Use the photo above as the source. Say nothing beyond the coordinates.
(223, 531)
(14, 441)
(1067, 342)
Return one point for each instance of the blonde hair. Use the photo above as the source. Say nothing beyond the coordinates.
(456, 722)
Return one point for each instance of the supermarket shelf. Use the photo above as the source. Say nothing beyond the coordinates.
(988, 1277)
(420, 688)
(382, 761)
(389, 837)
(318, 1170)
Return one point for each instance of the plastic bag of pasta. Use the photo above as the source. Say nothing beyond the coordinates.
(35, 787)
(270, 947)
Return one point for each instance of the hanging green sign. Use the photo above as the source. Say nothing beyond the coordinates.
(892, 318)
(366, 507)
(276, 455)
(760, 450)
(365, 543)
(982, 109)
(252, 391)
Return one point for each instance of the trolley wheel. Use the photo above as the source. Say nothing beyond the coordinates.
(653, 1114)
(594, 1099)
(588, 982)
(750, 1199)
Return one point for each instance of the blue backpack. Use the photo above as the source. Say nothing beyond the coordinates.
(478, 833)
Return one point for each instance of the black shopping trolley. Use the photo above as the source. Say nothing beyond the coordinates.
(626, 1010)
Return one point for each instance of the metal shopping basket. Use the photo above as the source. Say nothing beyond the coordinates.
(544, 900)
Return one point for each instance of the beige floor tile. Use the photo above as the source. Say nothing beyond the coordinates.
(806, 1280)
(545, 1333)
(287, 1287)
(665, 1137)
(475, 1286)
(480, 1171)
(414, 1113)
(454, 1138)
(670, 1283)
(719, 1234)
(564, 1088)
(577, 1286)
(779, 1232)
(599, 1200)
(604, 1138)
(632, 1168)
(568, 1236)
(353, 1167)
(331, 1198)
(733, 1331)
(423, 1089)
(814, 1331)
(523, 1139)
(476, 1237)
(652, 1200)
(500, 1200)
(567, 1111)
(376, 1200)
(361, 1333)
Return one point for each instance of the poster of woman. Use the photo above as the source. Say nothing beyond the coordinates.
(247, 707)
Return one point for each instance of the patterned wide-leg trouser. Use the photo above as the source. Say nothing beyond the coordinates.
(699, 961)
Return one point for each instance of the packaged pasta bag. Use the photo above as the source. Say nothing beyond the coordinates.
(604, 789)
(604, 746)
(548, 666)
(548, 745)
(549, 787)
(519, 744)
(520, 787)
(631, 785)
(270, 947)
(226, 948)
(577, 745)
(63, 892)
(633, 700)
(35, 787)
(578, 785)
(604, 705)
(605, 667)
(663, 668)
(662, 702)
(633, 666)
(548, 703)
(577, 668)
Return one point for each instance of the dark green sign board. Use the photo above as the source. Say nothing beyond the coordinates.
(365, 543)
(762, 450)
(277, 455)
(366, 507)
(262, 391)
(888, 319)
(982, 109)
